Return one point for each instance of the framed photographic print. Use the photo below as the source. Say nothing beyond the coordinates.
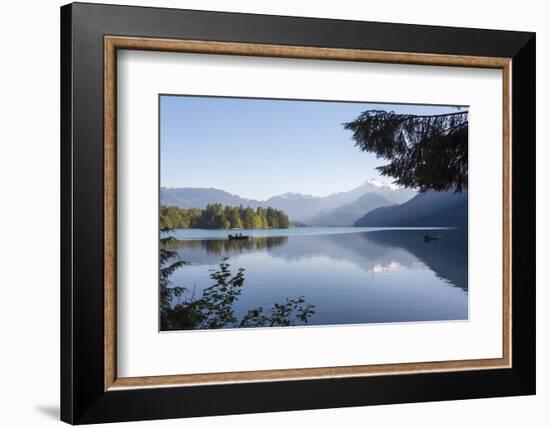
(266, 213)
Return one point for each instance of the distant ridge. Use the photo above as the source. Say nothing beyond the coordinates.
(347, 214)
(189, 197)
(444, 209)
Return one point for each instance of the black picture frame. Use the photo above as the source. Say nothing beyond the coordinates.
(83, 398)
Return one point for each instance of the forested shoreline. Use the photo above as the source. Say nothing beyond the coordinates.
(218, 216)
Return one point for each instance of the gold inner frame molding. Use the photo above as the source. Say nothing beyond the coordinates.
(113, 43)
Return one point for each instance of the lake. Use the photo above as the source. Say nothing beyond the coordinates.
(351, 275)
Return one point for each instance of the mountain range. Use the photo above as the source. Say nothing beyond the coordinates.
(337, 209)
(369, 205)
(425, 209)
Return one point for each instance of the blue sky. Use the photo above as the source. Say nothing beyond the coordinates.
(258, 148)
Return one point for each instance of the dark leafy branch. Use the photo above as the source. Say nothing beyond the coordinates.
(181, 309)
(282, 314)
(424, 152)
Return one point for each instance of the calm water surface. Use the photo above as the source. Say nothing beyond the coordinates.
(351, 275)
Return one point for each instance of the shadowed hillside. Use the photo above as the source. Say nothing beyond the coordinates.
(424, 210)
(347, 214)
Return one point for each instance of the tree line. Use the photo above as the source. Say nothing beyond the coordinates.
(217, 216)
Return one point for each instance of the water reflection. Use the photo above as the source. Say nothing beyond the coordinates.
(375, 251)
(373, 276)
(447, 258)
(226, 246)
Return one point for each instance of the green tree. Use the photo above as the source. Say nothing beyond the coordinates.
(260, 212)
(235, 218)
(257, 222)
(282, 220)
(427, 152)
(248, 218)
(271, 216)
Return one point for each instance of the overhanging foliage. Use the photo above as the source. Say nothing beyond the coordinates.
(424, 152)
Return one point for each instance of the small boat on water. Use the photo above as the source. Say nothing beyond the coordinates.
(429, 238)
(237, 237)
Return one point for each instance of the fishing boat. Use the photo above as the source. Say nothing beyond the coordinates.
(238, 237)
(429, 238)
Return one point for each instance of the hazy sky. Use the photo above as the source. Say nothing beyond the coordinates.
(258, 148)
